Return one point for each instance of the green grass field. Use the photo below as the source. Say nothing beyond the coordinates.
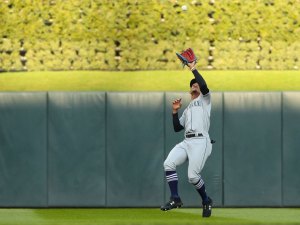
(143, 216)
(149, 81)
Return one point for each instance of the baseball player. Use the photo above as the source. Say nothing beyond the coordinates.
(196, 146)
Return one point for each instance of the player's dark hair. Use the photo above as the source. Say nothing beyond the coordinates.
(192, 82)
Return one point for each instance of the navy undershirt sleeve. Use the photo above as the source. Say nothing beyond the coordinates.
(176, 123)
(200, 80)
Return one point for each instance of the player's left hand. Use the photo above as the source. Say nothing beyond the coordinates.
(187, 56)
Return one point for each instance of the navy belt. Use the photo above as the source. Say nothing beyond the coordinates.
(194, 135)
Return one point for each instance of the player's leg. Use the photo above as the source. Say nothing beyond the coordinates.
(176, 157)
(198, 152)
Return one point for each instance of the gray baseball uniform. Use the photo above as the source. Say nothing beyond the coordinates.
(196, 146)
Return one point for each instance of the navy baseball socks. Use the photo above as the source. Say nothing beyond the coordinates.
(206, 201)
(175, 201)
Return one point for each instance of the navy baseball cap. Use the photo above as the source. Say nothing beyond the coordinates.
(192, 82)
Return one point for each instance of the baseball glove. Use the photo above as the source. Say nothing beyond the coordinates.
(187, 56)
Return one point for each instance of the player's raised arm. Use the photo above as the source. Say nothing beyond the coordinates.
(189, 59)
(200, 80)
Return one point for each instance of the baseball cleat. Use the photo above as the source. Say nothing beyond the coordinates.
(207, 207)
(172, 204)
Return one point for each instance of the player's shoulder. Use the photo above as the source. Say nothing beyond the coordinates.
(206, 98)
(207, 95)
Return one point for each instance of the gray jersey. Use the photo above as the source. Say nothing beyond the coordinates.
(196, 117)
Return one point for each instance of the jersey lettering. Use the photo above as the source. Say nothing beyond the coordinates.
(195, 103)
(196, 117)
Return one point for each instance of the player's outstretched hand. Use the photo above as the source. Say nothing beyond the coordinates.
(176, 105)
(187, 56)
(192, 65)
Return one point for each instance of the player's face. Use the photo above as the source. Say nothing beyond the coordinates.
(195, 90)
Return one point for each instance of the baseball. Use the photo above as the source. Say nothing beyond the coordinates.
(184, 8)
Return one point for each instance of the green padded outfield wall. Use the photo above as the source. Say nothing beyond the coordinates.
(291, 149)
(213, 172)
(106, 149)
(76, 142)
(23, 149)
(135, 149)
(252, 149)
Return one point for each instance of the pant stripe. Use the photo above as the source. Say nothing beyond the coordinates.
(204, 153)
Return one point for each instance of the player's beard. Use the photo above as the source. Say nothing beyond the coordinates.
(194, 93)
